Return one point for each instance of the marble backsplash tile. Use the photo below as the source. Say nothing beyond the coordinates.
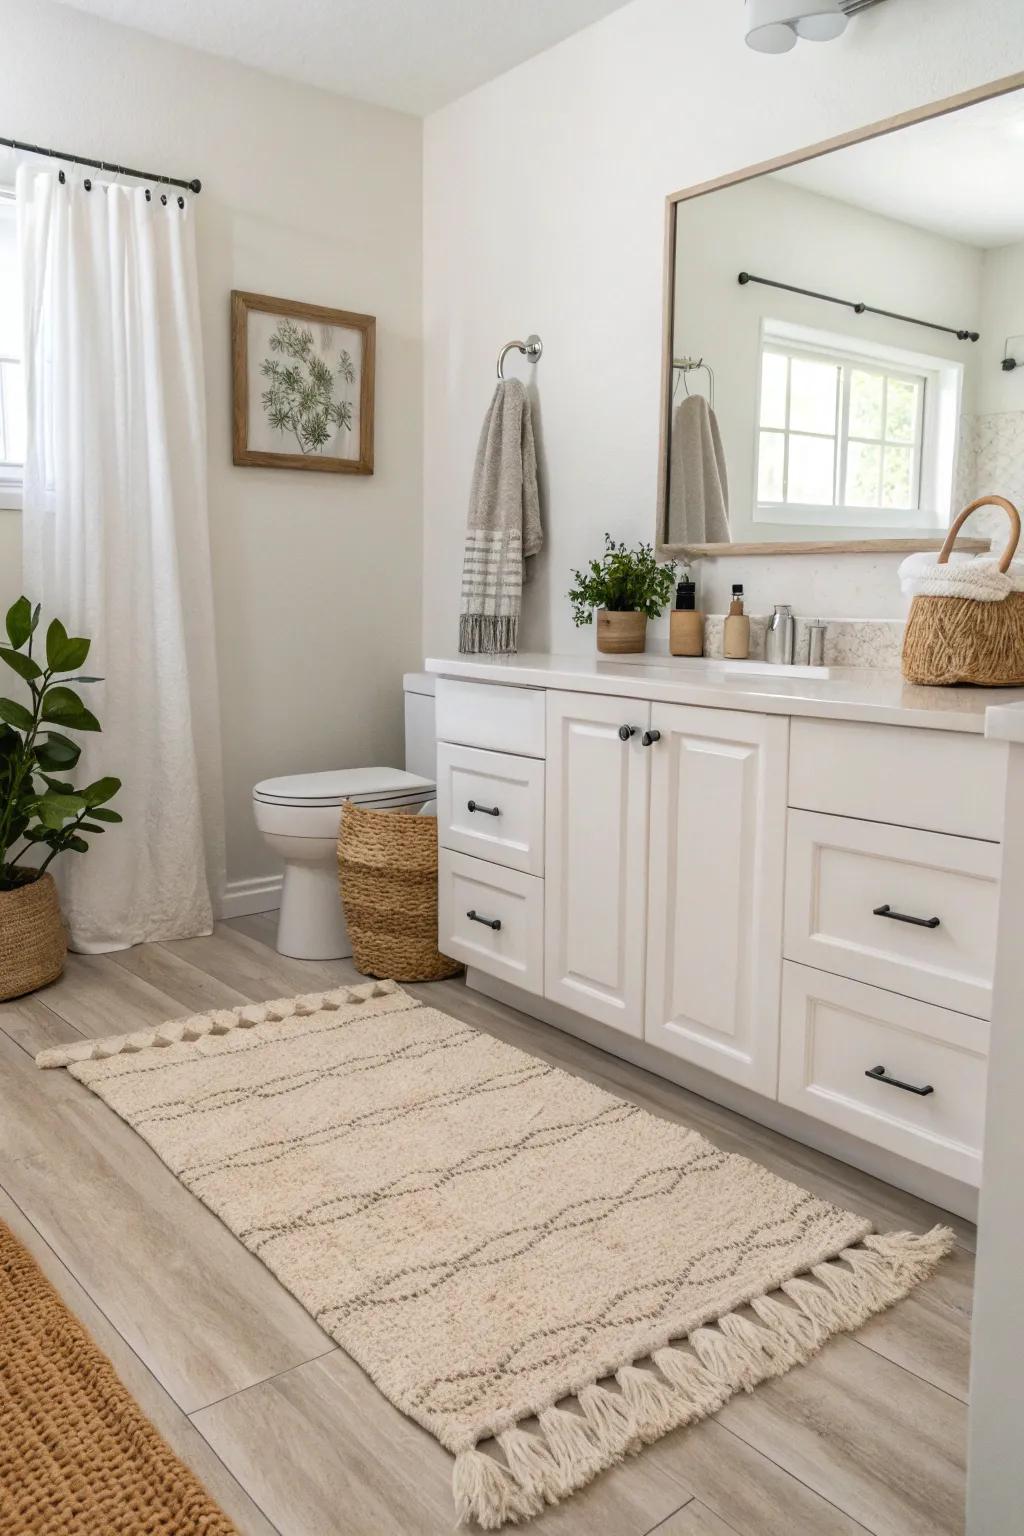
(848, 642)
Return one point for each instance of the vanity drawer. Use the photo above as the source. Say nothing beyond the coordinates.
(491, 715)
(491, 805)
(840, 873)
(943, 781)
(836, 1031)
(473, 896)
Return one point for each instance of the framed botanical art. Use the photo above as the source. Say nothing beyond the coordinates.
(302, 378)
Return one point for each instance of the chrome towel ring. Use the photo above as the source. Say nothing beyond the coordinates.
(531, 349)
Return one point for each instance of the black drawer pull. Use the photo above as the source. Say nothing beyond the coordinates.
(626, 731)
(904, 917)
(649, 738)
(880, 1075)
(495, 923)
(485, 810)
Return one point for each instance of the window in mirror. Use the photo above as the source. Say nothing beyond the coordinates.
(848, 437)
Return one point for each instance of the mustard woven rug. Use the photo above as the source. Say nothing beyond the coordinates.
(77, 1455)
(489, 1236)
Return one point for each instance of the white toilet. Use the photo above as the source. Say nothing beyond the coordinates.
(299, 816)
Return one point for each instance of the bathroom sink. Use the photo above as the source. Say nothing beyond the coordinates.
(716, 666)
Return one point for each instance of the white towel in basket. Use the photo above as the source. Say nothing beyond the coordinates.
(962, 576)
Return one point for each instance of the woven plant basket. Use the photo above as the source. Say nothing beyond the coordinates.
(32, 939)
(387, 866)
(961, 640)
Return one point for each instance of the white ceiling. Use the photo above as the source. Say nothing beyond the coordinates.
(413, 55)
(961, 175)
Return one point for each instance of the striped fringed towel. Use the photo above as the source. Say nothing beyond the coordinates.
(503, 528)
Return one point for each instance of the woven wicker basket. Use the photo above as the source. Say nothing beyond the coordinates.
(32, 939)
(387, 865)
(961, 640)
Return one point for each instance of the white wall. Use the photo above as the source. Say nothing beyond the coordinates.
(1002, 318)
(785, 232)
(544, 210)
(309, 196)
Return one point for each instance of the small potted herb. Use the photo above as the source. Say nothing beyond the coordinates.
(39, 809)
(626, 587)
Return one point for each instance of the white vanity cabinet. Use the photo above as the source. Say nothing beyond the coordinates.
(597, 819)
(714, 913)
(799, 909)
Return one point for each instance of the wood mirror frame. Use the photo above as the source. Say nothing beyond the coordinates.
(888, 125)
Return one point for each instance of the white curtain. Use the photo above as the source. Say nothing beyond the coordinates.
(116, 541)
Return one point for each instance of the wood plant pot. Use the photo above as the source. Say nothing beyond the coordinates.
(621, 634)
(33, 943)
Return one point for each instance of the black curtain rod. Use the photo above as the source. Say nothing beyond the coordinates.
(195, 185)
(860, 309)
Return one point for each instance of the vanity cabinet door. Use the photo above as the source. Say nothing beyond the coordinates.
(718, 823)
(596, 838)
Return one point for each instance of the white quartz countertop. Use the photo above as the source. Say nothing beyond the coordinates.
(848, 693)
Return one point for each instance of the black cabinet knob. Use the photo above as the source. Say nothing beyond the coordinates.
(626, 731)
(650, 737)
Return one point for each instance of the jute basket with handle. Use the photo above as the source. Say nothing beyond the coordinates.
(962, 640)
(33, 943)
(387, 866)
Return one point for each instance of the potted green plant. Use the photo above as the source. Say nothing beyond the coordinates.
(39, 809)
(626, 587)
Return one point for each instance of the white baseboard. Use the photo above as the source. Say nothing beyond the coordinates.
(244, 897)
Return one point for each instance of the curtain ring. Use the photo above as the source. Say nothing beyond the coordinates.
(149, 196)
(181, 202)
(163, 198)
(61, 178)
(87, 184)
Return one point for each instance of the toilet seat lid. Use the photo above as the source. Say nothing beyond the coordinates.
(363, 786)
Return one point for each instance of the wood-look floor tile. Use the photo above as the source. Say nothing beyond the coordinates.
(748, 1490)
(100, 997)
(34, 1026)
(339, 1445)
(193, 989)
(203, 1314)
(868, 1436)
(255, 970)
(860, 1440)
(929, 1333)
(694, 1519)
(175, 1426)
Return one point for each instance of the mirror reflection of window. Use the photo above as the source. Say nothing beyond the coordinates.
(841, 435)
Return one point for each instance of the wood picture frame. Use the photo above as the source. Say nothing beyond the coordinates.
(302, 374)
(668, 550)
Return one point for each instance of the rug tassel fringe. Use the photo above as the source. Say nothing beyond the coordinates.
(569, 1449)
(222, 1021)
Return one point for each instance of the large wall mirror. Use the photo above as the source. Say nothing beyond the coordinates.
(840, 334)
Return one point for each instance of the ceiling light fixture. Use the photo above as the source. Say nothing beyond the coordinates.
(774, 26)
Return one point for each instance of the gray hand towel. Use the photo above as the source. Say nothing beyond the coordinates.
(503, 527)
(698, 487)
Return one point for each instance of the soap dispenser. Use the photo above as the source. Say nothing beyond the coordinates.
(736, 631)
(686, 622)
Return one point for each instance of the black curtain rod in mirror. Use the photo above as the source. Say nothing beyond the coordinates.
(195, 185)
(860, 309)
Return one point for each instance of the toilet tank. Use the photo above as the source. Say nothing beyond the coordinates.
(420, 732)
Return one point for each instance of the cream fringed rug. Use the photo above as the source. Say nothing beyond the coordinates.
(489, 1236)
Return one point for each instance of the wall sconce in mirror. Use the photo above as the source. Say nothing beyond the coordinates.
(775, 26)
(1014, 344)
